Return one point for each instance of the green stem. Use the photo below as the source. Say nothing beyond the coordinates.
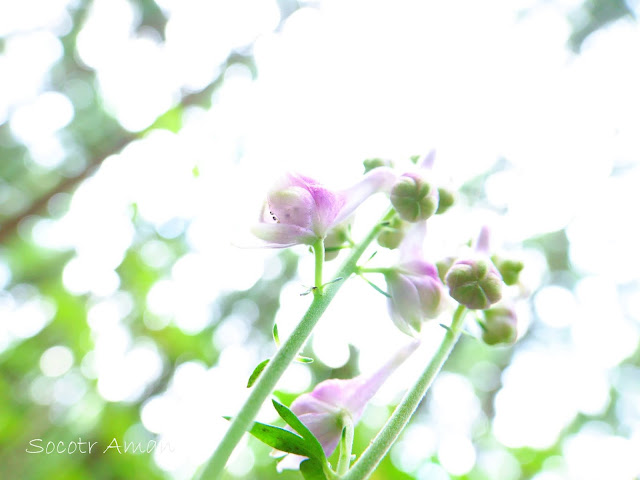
(346, 445)
(283, 357)
(382, 270)
(370, 458)
(318, 251)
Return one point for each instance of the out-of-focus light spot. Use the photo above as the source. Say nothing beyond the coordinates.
(233, 331)
(31, 316)
(556, 306)
(418, 443)
(25, 61)
(485, 376)
(296, 378)
(499, 464)
(432, 471)
(70, 389)
(42, 117)
(330, 349)
(81, 276)
(156, 254)
(30, 15)
(456, 454)
(5, 275)
(153, 413)
(125, 377)
(41, 390)
(592, 454)
(241, 463)
(56, 361)
(453, 405)
(533, 373)
(549, 476)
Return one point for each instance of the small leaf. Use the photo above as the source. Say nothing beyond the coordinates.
(372, 255)
(303, 359)
(256, 372)
(335, 280)
(312, 470)
(375, 287)
(280, 439)
(276, 337)
(295, 423)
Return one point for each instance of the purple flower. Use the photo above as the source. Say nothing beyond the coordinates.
(299, 210)
(323, 409)
(414, 286)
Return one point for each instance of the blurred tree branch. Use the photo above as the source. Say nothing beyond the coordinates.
(122, 138)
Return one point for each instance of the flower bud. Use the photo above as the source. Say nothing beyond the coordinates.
(336, 238)
(413, 198)
(415, 295)
(474, 283)
(499, 326)
(509, 269)
(446, 199)
(443, 266)
(371, 163)
(392, 235)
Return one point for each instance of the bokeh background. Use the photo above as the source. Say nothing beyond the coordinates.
(137, 140)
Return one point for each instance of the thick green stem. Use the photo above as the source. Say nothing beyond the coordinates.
(283, 357)
(318, 251)
(346, 445)
(370, 458)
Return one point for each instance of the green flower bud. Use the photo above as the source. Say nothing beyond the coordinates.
(413, 198)
(446, 199)
(509, 269)
(336, 238)
(443, 266)
(499, 326)
(474, 283)
(371, 163)
(393, 234)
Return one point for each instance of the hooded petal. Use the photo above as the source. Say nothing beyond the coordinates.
(368, 386)
(281, 235)
(404, 303)
(377, 180)
(326, 427)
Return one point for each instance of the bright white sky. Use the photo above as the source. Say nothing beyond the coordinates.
(342, 82)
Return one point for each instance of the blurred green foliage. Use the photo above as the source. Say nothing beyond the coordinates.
(27, 192)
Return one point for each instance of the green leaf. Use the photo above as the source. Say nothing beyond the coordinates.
(280, 439)
(256, 373)
(303, 359)
(312, 470)
(295, 423)
(276, 337)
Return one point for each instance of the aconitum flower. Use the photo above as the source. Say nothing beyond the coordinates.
(324, 409)
(299, 210)
(475, 282)
(415, 289)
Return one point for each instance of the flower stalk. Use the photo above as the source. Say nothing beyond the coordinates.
(372, 456)
(212, 470)
(346, 445)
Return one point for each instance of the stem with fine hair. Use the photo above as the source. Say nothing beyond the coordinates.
(283, 357)
(370, 458)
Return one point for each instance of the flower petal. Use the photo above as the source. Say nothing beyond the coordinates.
(283, 235)
(404, 303)
(368, 386)
(377, 180)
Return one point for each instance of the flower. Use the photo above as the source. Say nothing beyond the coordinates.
(414, 286)
(324, 409)
(299, 210)
(475, 282)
